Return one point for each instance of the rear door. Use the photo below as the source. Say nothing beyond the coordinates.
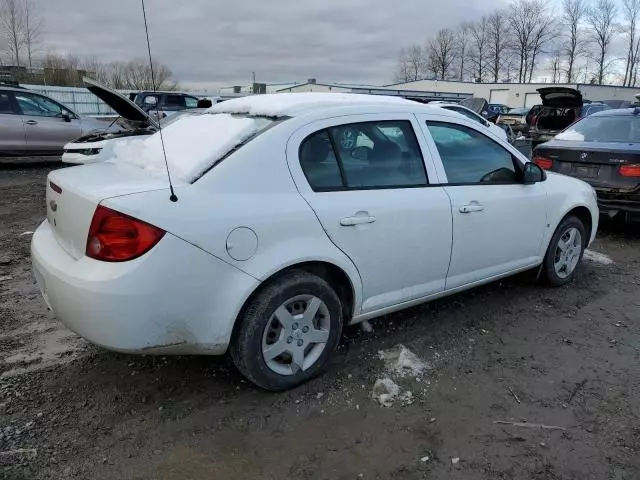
(12, 135)
(365, 178)
(498, 223)
(46, 129)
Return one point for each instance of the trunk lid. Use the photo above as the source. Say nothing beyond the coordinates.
(560, 97)
(596, 164)
(74, 193)
(124, 107)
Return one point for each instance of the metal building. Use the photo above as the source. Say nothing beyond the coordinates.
(518, 94)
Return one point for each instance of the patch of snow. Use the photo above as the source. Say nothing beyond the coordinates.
(385, 391)
(402, 361)
(287, 104)
(366, 326)
(193, 144)
(455, 460)
(26, 233)
(596, 257)
(425, 459)
(571, 135)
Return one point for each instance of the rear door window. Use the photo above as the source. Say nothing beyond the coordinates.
(366, 155)
(469, 157)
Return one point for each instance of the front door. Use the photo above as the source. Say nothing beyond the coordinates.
(365, 178)
(498, 222)
(47, 130)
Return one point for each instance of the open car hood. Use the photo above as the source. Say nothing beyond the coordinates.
(560, 97)
(124, 107)
(477, 104)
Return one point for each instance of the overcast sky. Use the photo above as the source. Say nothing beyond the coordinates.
(209, 43)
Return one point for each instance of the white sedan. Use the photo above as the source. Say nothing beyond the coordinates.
(296, 214)
(470, 114)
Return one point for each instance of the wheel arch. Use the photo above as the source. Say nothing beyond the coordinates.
(583, 213)
(345, 286)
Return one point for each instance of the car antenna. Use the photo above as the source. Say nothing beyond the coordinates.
(173, 196)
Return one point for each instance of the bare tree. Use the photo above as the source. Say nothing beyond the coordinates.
(573, 13)
(138, 76)
(32, 30)
(479, 47)
(12, 28)
(411, 64)
(530, 30)
(555, 66)
(63, 71)
(601, 20)
(442, 51)
(462, 45)
(542, 35)
(631, 10)
(497, 36)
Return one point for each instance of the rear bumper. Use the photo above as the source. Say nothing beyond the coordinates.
(176, 299)
(612, 203)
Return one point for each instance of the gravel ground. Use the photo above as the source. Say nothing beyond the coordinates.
(512, 351)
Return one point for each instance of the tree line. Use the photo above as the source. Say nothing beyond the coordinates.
(570, 43)
(22, 45)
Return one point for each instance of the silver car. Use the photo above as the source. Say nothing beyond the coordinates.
(34, 124)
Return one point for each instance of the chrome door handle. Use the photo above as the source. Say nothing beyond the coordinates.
(31, 122)
(474, 207)
(357, 220)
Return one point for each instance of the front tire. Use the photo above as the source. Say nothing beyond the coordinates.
(288, 331)
(565, 252)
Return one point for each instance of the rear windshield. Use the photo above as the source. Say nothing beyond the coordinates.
(616, 129)
(193, 144)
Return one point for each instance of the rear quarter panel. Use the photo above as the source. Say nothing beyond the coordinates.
(251, 188)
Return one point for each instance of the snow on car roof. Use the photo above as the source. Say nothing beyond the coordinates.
(290, 104)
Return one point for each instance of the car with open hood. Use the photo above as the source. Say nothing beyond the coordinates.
(34, 124)
(132, 121)
(561, 106)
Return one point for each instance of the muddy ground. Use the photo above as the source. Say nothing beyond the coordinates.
(513, 351)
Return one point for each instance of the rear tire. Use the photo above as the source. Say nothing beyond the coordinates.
(287, 331)
(565, 252)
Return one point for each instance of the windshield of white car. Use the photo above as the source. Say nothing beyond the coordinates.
(611, 128)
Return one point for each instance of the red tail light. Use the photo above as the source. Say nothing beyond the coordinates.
(630, 170)
(115, 237)
(543, 162)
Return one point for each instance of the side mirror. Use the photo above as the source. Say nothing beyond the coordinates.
(533, 174)
(66, 116)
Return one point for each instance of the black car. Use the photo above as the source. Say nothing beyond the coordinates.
(602, 149)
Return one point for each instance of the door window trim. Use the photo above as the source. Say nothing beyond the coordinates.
(514, 160)
(336, 151)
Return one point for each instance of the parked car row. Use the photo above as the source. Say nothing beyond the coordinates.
(34, 124)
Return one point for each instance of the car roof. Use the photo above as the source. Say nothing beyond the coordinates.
(294, 104)
(617, 112)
